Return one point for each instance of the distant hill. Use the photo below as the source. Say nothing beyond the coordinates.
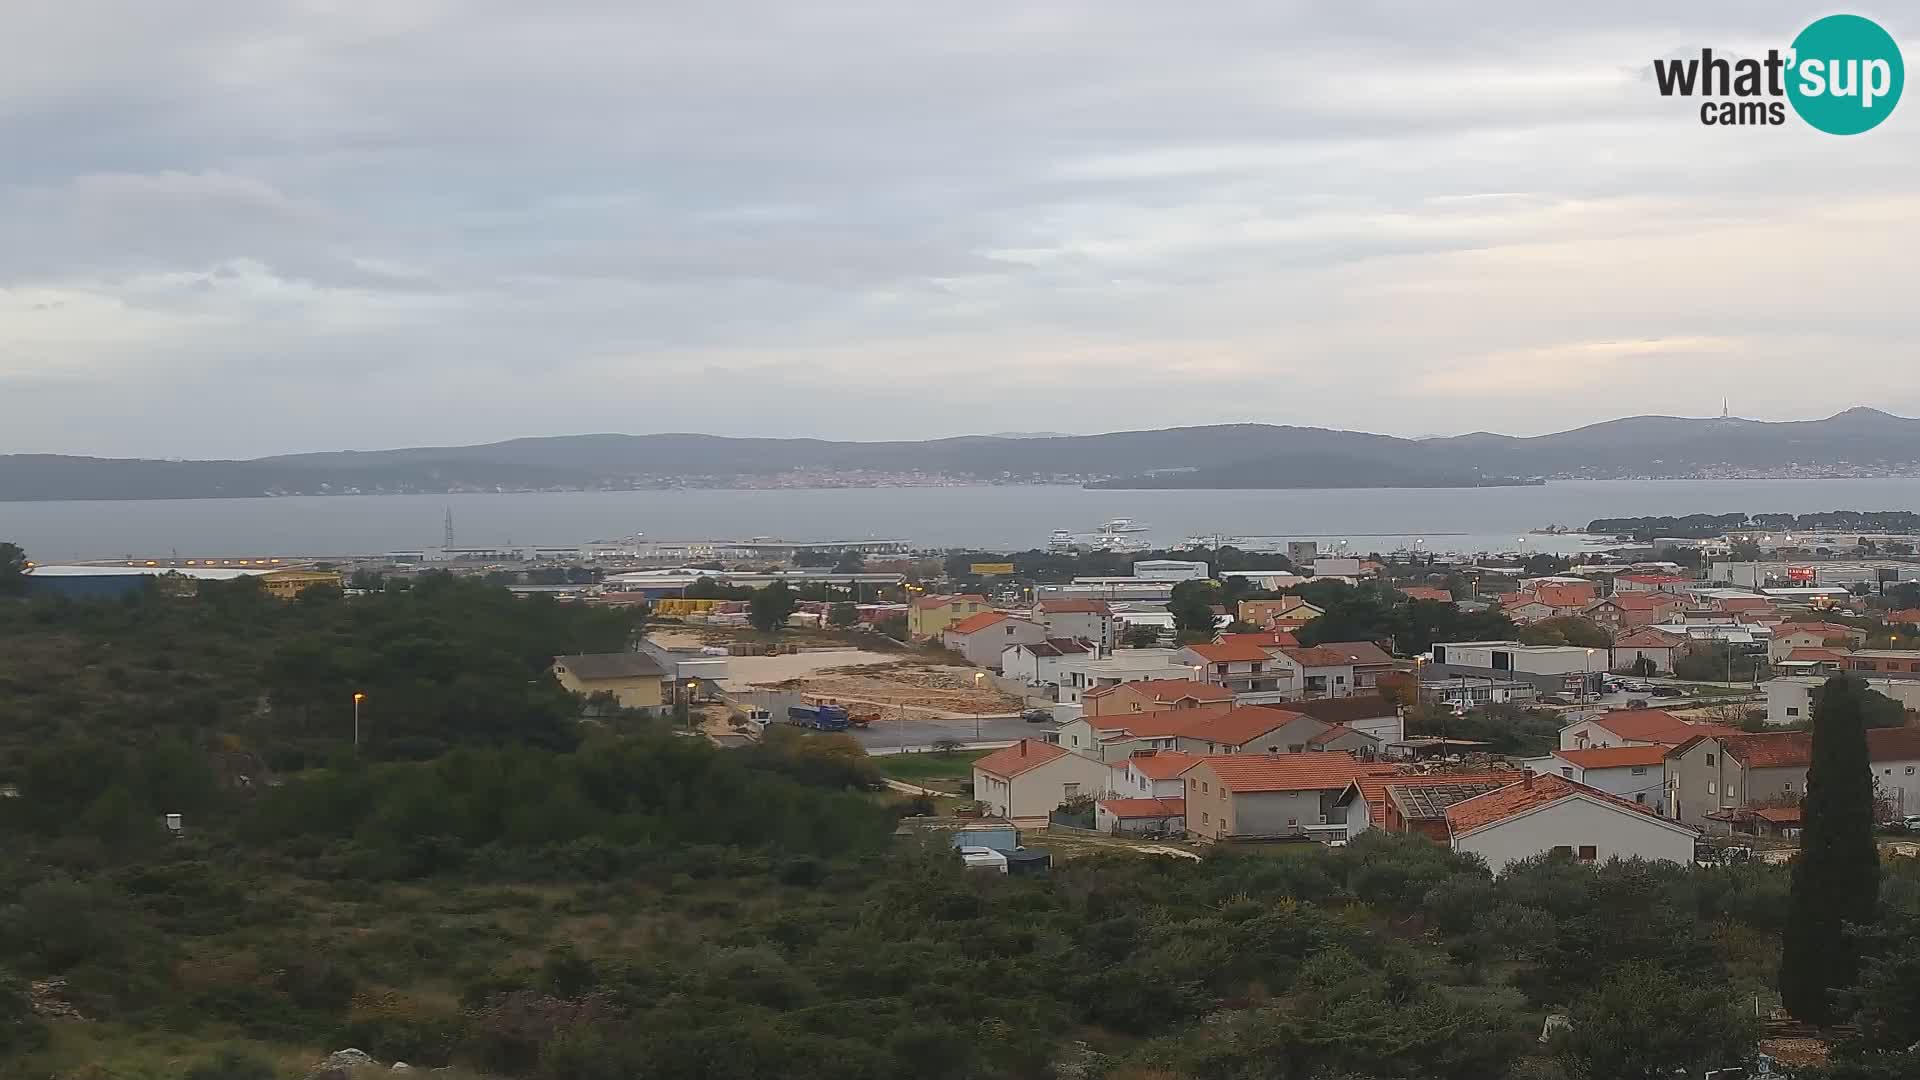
(1218, 456)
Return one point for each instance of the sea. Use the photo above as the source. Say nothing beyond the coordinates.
(992, 518)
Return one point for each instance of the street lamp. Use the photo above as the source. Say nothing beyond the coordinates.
(358, 697)
(978, 678)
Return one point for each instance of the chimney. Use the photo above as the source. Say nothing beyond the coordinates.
(1529, 779)
(1023, 748)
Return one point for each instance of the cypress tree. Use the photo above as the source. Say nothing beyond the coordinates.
(1836, 879)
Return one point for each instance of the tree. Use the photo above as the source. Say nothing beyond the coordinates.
(1140, 636)
(850, 562)
(843, 614)
(768, 608)
(1836, 879)
(1191, 606)
(1643, 666)
(1566, 630)
(13, 570)
(1647, 1021)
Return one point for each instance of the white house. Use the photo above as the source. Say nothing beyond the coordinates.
(1030, 779)
(1790, 697)
(1552, 814)
(1656, 647)
(1045, 663)
(1150, 774)
(1634, 773)
(1124, 666)
(1119, 816)
(1241, 666)
(1079, 620)
(984, 637)
(1631, 727)
(1895, 757)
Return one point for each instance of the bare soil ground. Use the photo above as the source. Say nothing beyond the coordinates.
(902, 689)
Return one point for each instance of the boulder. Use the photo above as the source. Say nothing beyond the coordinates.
(340, 1064)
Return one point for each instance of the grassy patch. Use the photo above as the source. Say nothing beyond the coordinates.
(923, 768)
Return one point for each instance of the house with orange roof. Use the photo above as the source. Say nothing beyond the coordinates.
(1150, 774)
(1082, 620)
(1637, 774)
(983, 638)
(1672, 583)
(1405, 801)
(1525, 608)
(1030, 779)
(1627, 611)
(1211, 729)
(1152, 695)
(1149, 817)
(1904, 617)
(1266, 639)
(1284, 613)
(1241, 666)
(1813, 635)
(929, 616)
(1269, 796)
(1336, 668)
(1552, 815)
(1709, 773)
(1656, 647)
(1425, 592)
(1631, 727)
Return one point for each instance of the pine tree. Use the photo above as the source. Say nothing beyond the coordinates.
(1836, 879)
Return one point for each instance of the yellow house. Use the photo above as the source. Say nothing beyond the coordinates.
(930, 616)
(287, 584)
(634, 679)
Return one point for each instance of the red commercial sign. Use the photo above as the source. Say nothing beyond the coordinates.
(1800, 573)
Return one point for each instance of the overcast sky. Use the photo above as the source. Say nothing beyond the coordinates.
(240, 227)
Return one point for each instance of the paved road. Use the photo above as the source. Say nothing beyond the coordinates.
(891, 733)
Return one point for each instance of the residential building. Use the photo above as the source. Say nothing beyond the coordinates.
(1819, 635)
(1363, 660)
(1885, 662)
(1554, 815)
(1634, 773)
(1270, 640)
(1044, 663)
(1362, 746)
(1895, 756)
(1140, 817)
(1255, 796)
(1423, 592)
(636, 680)
(1524, 609)
(1409, 802)
(1030, 779)
(1633, 727)
(1115, 737)
(1150, 774)
(1153, 695)
(1369, 714)
(1790, 697)
(1656, 647)
(1124, 666)
(1084, 620)
(929, 616)
(1710, 773)
(984, 637)
(1243, 668)
(1316, 672)
(1215, 729)
(1903, 617)
(1474, 691)
(1289, 609)
(1626, 611)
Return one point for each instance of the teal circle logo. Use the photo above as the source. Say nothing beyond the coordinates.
(1846, 75)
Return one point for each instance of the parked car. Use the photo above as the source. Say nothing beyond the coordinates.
(1666, 691)
(1036, 716)
(1912, 822)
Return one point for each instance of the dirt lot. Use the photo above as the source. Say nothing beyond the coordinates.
(901, 689)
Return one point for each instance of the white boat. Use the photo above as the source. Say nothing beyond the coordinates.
(1121, 525)
(1061, 540)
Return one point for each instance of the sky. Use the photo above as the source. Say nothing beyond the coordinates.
(242, 227)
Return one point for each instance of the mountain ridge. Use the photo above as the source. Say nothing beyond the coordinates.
(1241, 455)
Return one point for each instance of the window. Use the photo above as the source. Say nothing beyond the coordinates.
(1639, 770)
(1709, 761)
(1203, 786)
(1205, 819)
(1793, 710)
(1589, 853)
(1641, 798)
(1562, 850)
(1909, 770)
(1711, 789)
(1223, 794)
(1069, 790)
(1566, 771)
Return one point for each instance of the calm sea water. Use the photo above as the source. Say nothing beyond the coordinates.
(1472, 519)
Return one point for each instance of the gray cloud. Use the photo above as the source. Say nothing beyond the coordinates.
(243, 228)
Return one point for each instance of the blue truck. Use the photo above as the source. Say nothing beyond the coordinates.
(819, 717)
